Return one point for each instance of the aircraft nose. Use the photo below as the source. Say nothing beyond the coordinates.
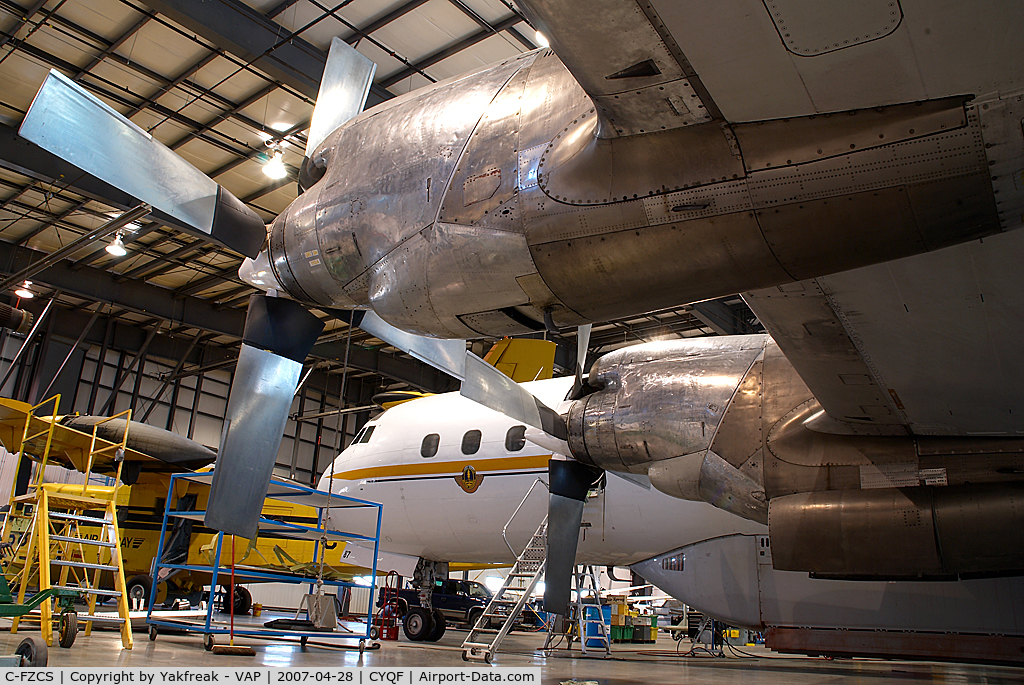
(257, 272)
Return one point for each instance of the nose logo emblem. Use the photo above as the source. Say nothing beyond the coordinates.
(469, 480)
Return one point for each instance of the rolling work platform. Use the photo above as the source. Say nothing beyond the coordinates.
(219, 569)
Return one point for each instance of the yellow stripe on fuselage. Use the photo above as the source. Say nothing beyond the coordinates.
(447, 468)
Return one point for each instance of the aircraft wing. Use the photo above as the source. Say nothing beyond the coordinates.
(927, 345)
(668, 63)
(151, 449)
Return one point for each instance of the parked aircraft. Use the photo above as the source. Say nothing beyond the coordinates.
(701, 150)
(452, 473)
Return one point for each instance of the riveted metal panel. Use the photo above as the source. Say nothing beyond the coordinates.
(564, 222)
(476, 268)
(278, 254)
(853, 222)
(784, 142)
(855, 533)
(633, 76)
(388, 169)
(486, 176)
(1002, 121)
(950, 154)
(740, 436)
(551, 99)
(710, 258)
(809, 29)
(706, 201)
(653, 108)
(579, 168)
(979, 527)
(313, 262)
(398, 290)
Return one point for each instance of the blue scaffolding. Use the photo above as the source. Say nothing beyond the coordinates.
(286, 492)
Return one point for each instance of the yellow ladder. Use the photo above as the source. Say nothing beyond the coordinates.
(63, 536)
(19, 523)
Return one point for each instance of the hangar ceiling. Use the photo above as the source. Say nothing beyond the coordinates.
(222, 82)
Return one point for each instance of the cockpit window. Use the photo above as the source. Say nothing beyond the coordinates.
(364, 436)
(471, 442)
(428, 447)
(515, 439)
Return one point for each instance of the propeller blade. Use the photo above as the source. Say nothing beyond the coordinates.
(446, 355)
(67, 121)
(485, 384)
(278, 336)
(570, 482)
(346, 82)
(582, 345)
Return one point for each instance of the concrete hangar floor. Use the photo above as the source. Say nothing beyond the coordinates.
(656, 664)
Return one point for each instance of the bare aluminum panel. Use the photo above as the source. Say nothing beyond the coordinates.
(948, 316)
(810, 28)
(69, 122)
(635, 79)
(346, 82)
(940, 48)
(258, 405)
(817, 344)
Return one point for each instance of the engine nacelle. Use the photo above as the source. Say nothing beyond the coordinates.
(657, 410)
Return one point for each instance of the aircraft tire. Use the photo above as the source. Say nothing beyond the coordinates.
(138, 589)
(243, 600)
(418, 624)
(439, 626)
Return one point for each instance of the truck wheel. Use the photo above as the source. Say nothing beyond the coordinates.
(67, 630)
(439, 626)
(418, 624)
(32, 651)
(474, 616)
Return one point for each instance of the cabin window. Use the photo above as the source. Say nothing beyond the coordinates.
(515, 439)
(364, 436)
(471, 442)
(673, 563)
(428, 447)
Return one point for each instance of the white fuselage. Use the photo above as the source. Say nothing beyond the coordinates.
(428, 513)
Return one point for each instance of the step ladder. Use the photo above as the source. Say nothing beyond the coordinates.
(75, 530)
(588, 610)
(507, 603)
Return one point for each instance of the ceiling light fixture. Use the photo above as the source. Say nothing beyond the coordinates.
(116, 246)
(275, 167)
(541, 39)
(24, 292)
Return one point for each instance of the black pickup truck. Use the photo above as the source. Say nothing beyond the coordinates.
(460, 601)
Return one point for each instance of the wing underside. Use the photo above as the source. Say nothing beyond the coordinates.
(668, 63)
(927, 345)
